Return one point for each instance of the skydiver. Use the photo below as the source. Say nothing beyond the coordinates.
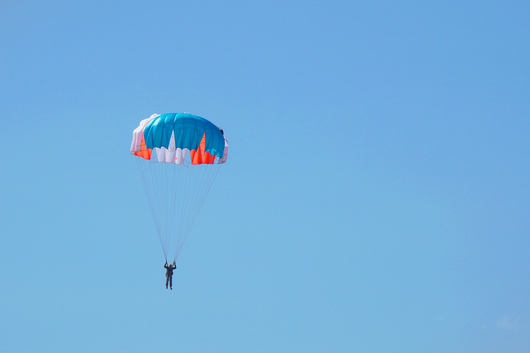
(169, 274)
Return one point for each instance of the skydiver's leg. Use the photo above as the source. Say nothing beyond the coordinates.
(167, 280)
(171, 282)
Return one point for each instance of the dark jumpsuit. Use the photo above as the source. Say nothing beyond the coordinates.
(169, 274)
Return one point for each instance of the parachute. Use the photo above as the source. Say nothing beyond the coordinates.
(180, 156)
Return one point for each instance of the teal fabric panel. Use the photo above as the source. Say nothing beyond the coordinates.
(189, 130)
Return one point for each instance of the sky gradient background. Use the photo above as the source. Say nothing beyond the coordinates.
(375, 197)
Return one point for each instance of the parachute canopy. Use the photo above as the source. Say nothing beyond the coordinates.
(173, 135)
(180, 155)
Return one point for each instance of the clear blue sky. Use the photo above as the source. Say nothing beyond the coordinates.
(375, 198)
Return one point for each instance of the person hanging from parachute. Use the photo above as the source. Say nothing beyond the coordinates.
(179, 157)
(169, 273)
